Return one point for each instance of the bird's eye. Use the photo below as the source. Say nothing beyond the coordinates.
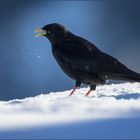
(49, 32)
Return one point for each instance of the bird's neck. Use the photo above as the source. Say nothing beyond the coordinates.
(55, 41)
(59, 39)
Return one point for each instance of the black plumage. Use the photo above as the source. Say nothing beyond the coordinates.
(83, 61)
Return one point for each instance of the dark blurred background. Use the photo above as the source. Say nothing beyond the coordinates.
(27, 67)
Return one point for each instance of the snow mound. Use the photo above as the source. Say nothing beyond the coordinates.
(107, 102)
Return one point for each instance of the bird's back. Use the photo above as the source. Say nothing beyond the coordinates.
(77, 56)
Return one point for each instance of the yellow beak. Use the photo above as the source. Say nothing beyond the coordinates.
(40, 32)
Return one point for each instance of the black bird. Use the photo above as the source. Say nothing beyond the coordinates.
(83, 61)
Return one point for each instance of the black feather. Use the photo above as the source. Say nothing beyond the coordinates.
(83, 61)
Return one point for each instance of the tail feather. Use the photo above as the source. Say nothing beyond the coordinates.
(128, 75)
(133, 76)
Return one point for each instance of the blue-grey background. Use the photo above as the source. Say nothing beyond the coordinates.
(27, 67)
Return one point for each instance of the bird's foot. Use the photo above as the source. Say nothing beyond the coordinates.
(87, 94)
(72, 91)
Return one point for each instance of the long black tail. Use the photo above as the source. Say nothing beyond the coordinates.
(132, 76)
(128, 75)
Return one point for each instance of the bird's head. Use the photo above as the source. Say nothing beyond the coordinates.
(53, 32)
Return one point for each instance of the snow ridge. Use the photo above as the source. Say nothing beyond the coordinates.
(107, 102)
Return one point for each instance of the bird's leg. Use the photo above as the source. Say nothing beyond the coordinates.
(92, 87)
(77, 84)
(72, 91)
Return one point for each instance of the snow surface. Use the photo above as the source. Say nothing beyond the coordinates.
(108, 102)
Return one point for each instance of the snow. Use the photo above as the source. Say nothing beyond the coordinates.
(109, 104)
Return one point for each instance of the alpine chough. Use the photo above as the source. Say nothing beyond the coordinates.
(83, 61)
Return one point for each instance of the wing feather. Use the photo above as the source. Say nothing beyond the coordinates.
(85, 56)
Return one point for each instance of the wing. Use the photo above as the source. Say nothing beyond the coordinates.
(85, 56)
